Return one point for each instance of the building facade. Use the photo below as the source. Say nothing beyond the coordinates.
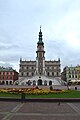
(71, 74)
(78, 69)
(39, 67)
(8, 76)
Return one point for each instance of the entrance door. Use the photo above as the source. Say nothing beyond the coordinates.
(39, 82)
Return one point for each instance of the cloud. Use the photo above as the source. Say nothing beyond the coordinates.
(5, 64)
(68, 26)
(7, 46)
(19, 27)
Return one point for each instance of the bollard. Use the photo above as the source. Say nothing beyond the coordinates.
(23, 97)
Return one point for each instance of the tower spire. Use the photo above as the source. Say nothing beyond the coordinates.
(40, 28)
(40, 42)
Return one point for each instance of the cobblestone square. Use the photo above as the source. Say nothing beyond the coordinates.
(39, 111)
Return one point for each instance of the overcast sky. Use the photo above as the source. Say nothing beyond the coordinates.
(20, 22)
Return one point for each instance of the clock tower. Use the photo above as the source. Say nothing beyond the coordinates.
(40, 59)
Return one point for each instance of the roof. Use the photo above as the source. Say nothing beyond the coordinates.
(10, 69)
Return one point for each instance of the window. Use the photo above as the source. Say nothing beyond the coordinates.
(75, 72)
(55, 68)
(11, 77)
(27, 74)
(27, 67)
(72, 76)
(32, 73)
(22, 73)
(11, 73)
(48, 68)
(69, 76)
(48, 73)
(3, 73)
(22, 67)
(72, 72)
(57, 73)
(52, 73)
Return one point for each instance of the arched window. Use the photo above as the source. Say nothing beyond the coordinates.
(32, 67)
(27, 74)
(72, 76)
(69, 76)
(50, 82)
(52, 73)
(75, 76)
(48, 73)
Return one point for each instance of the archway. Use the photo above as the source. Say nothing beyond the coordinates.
(39, 82)
(6, 82)
(45, 82)
(50, 82)
(10, 83)
(34, 82)
(3, 82)
(29, 82)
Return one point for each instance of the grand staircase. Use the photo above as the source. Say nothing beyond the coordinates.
(24, 80)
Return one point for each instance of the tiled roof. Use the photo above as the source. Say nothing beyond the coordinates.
(6, 69)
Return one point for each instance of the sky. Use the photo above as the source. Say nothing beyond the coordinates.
(20, 22)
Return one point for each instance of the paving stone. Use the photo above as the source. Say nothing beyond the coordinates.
(46, 108)
(46, 118)
(39, 111)
(1, 116)
(7, 106)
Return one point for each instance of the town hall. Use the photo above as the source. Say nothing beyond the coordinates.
(39, 71)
